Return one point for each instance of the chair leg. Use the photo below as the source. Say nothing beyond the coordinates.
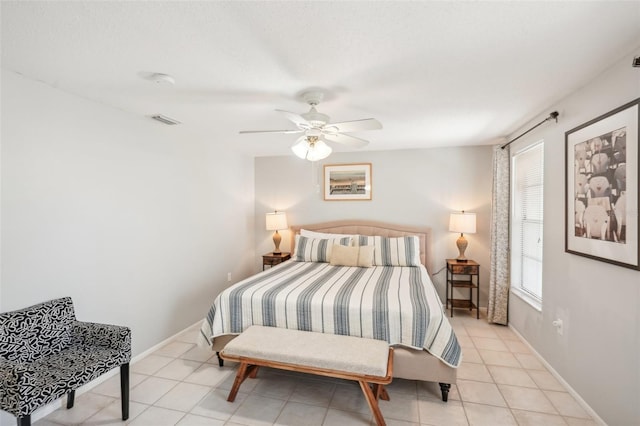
(124, 390)
(24, 420)
(71, 396)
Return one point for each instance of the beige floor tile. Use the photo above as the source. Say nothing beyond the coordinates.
(566, 404)
(572, 421)
(183, 396)
(295, 413)
(111, 386)
(529, 418)
(471, 355)
(150, 364)
(438, 413)
(403, 386)
(85, 406)
(527, 399)
(189, 336)
(489, 344)
(481, 393)
(342, 418)
(394, 422)
(459, 330)
(505, 359)
(478, 331)
(313, 392)
(517, 347)
(199, 354)
(349, 397)
(275, 386)
(210, 375)
(151, 390)
(545, 380)
(465, 342)
(486, 415)
(215, 405)
(193, 420)
(400, 407)
(477, 372)
(431, 390)
(157, 416)
(530, 362)
(511, 376)
(505, 333)
(174, 349)
(43, 422)
(178, 369)
(112, 414)
(258, 410)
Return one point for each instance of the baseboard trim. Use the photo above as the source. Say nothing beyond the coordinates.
(558, 377)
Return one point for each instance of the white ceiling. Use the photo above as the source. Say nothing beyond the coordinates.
(434, 73)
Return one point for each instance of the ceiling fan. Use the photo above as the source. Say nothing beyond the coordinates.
(317, 130)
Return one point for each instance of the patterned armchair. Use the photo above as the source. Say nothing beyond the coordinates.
(46, 354)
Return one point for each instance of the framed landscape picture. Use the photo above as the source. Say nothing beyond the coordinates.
(347, 182)
(601, 192)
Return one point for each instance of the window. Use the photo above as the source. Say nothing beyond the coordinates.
(527, 186)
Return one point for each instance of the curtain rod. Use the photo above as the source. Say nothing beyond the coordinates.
(552, 116)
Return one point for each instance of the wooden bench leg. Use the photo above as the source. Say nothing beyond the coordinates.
(380, 392)
(373, 403)
(245, 370)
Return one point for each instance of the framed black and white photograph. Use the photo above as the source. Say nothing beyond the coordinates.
(347, 182)
(601, 190)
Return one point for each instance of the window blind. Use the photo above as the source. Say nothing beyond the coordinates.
(527, 220)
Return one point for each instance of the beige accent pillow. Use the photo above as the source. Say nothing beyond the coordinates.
(352, 256)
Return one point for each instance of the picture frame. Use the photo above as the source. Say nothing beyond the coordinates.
(350, 182)
(601, 187)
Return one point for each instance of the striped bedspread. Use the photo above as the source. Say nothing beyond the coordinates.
(393, 303)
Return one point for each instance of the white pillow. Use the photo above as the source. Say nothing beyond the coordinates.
(317, 249)
(400, 251)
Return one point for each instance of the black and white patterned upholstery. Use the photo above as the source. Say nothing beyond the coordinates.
(46, 354)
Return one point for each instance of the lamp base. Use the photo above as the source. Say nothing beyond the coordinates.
(276, 240)
(462, 246)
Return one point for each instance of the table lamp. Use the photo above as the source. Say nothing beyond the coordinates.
(276, 221)
(462, 223)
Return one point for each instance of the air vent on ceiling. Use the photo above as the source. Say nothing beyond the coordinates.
(636, 62)
(165, 120)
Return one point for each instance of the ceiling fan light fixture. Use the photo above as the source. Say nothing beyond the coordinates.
(311, 148)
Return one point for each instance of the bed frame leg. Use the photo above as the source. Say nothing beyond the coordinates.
(444, 387)
(220, 360)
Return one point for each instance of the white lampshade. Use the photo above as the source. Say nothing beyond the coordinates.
(464, 223)
(312, 151)
(276, 221)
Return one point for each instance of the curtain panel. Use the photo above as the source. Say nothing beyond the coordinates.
(497, 311)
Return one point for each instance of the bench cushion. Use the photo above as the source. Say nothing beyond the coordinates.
(310, 349)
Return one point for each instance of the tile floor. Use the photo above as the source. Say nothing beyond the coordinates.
(500, 382)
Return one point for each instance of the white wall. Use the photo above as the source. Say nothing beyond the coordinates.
(415, 187)
(599, 303)
(136, 221)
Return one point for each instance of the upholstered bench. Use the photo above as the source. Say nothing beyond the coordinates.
(367, 361)
(45, 353)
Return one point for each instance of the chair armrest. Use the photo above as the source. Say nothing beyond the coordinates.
(111, 336)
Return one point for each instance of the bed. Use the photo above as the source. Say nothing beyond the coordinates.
(394, 303)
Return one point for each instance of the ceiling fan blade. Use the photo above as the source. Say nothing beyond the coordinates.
(297, 119)
(271, 131)
(355, 125)
(345, 139)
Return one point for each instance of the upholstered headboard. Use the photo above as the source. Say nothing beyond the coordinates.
(364, 227)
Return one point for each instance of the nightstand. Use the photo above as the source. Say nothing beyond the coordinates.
(272, 259)
(461, 275)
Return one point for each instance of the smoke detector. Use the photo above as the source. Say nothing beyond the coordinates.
(157, 77)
